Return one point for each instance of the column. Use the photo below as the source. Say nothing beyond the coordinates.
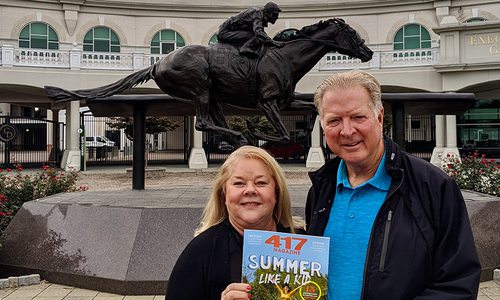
(197, 157)
(4, 109)
(7, 58)
(451, 148)
(50, 132)
(71, 155)
(139, 157)
(75, 57)
(437, 152)
(315, 157)
(138, 61)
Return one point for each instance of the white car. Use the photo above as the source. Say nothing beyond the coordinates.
(98, 141)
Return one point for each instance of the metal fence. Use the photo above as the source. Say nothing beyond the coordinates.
(420, 135)
(30, 142)
(106, 145)
(218, 147)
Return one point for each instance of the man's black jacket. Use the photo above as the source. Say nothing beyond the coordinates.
(421, 244)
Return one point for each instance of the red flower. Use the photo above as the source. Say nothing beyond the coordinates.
(8, 170)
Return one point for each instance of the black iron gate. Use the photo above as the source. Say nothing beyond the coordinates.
(30, 142)
(106, 145)
(217, 147)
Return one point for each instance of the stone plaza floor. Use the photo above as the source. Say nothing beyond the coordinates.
(114, 179)
(488, 290)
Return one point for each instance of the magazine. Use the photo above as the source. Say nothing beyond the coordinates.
(285, 266)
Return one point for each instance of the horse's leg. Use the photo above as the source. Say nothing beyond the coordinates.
(217, 115)
(301, 105)
(271, 111)
(209, 120)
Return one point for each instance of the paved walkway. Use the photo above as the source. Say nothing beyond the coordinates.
(114, 179)
(489, 290)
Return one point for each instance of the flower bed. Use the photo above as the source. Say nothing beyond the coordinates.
(17, 187)
(475, 172)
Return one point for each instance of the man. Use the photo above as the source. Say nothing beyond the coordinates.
(246, 29)
(398, 226)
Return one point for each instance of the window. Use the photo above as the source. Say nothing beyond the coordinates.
(166, 41)
(475, 19)
(412, 36)
(213, 39)
(101, 39)
(39, 36)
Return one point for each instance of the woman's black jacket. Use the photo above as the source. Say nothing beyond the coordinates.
(208, 264)
(421, 244)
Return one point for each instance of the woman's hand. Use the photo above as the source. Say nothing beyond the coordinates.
(236, 291)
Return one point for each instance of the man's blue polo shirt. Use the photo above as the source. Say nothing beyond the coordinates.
(349, 228)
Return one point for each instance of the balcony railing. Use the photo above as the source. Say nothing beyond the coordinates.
(77, 59)
(41, 58)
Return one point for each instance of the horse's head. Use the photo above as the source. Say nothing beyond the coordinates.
(345, 40)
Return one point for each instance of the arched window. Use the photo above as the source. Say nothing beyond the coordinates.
(213, 39)
(412, 36)
(166, 41)
(475, 19)
(39, 36)
(101, 39)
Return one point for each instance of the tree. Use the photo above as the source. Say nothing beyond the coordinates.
(260, 123)
(154, 125)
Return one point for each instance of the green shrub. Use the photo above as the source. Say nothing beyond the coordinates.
(474, 172)
(17, 187)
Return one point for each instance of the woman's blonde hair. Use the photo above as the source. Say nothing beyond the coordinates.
(215, 212)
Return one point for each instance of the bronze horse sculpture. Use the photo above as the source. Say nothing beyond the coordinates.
(211, 75)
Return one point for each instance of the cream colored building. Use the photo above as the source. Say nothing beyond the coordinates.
(419, 46)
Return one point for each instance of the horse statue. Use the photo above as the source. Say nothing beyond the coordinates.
(211, 75)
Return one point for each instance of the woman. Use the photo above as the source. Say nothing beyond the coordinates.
(249, 192)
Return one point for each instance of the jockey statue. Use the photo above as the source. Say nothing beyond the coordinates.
(246, 29)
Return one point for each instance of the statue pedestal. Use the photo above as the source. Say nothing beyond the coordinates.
(71, 160)
(198, 159)
(315, 158)
(437, 156)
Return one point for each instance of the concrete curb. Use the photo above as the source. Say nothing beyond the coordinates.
(17, 281)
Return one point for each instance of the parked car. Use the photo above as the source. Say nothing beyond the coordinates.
(281, 150)
(224, 147)
(98, 141)
(218, 147)
(490, 149)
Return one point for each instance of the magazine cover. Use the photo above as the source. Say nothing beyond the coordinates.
(282, 266)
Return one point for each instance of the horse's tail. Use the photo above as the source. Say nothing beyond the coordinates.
(62, 95)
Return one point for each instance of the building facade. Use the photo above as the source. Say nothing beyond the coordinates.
(419, 46)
